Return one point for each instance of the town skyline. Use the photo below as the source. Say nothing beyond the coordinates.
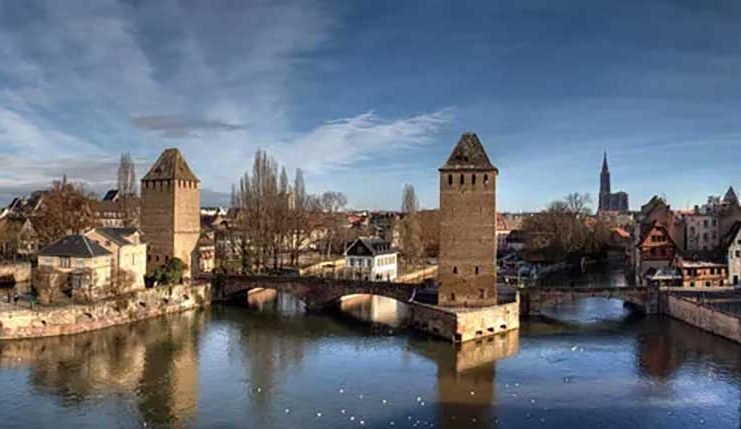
(543, 86)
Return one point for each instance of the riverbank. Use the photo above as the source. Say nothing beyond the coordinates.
(715, 311)
(75, 319)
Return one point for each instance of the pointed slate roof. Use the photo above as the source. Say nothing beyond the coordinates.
(75, 246)
(605, 168)
(730, 198)
(468, 154)
(171, 165)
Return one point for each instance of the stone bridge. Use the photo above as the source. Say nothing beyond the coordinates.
(315, 292)
(534, 299)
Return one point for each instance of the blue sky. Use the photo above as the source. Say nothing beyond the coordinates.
(369, 95)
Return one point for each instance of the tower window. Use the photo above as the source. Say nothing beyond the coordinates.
(450, 179)
(486, 179)
(455, 270)
(476, 270)
(473, 179)
(482, 293)
(452, 296)
(462, 180)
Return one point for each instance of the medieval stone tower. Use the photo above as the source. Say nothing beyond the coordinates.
(170, 211)
(467, 264)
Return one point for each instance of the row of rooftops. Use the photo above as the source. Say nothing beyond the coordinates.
(80, 246)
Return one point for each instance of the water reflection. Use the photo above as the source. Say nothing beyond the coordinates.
(239, 367)
(375, 309)
(466, 379)
(156, 359)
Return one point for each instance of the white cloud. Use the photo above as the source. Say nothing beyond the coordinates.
(73, 77)
(344, 142)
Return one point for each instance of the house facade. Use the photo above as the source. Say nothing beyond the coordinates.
(75, 266)
(129, 254)
(656, 250)
(372, 259)
(701, 231)
(733, 254)
(701, 273)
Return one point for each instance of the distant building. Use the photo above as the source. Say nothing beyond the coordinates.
(609, 201)
(372, 259)
(18, 238)
(467, 273)
(733, 252)
(656, 250)
(701, 232)
(206, 253)
(110, 213)
(701, 273)
(170, 211)
(129, 254)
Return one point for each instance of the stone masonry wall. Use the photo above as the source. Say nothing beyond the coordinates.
(187, 222)
(462, 325)
(702, 317)
(467, 273)
(17, 272)
(139, 305)
(157, 225)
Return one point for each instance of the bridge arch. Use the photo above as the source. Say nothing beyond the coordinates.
(315, 292)
(534, 300)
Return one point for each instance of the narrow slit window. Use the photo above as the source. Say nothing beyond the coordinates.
(455, 270)
(450, 179)
(462, 179)
(486, 179)
(473, 179)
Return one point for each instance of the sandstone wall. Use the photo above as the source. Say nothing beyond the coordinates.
(704, 318)
(461, 325)
(17, 272)
(467, 274)
(139, 305)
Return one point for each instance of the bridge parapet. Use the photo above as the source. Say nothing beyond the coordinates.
(534, 299)
(315, 292)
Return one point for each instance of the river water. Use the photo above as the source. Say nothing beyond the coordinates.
(592, 364)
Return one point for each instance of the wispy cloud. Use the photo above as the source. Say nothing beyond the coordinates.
(178, 127)
(338, 144)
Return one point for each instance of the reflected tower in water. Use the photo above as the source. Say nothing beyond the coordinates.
(466, 380)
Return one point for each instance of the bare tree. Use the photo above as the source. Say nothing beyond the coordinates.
(299, 228)
(332, 204)
(567, 228)
(65, 209)
(271, 216)
(577, 203)
(127, 189)
(411, 234)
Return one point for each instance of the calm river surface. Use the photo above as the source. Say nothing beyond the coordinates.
(591, 365)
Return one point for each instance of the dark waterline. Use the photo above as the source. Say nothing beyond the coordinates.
(592, 364)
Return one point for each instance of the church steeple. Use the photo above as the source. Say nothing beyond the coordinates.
(605, 168)
(604, 180)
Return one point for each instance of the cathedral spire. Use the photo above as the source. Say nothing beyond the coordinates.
(605, 168)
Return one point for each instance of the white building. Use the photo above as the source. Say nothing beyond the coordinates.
(129, 254)
(734, 255)
(372, 259)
